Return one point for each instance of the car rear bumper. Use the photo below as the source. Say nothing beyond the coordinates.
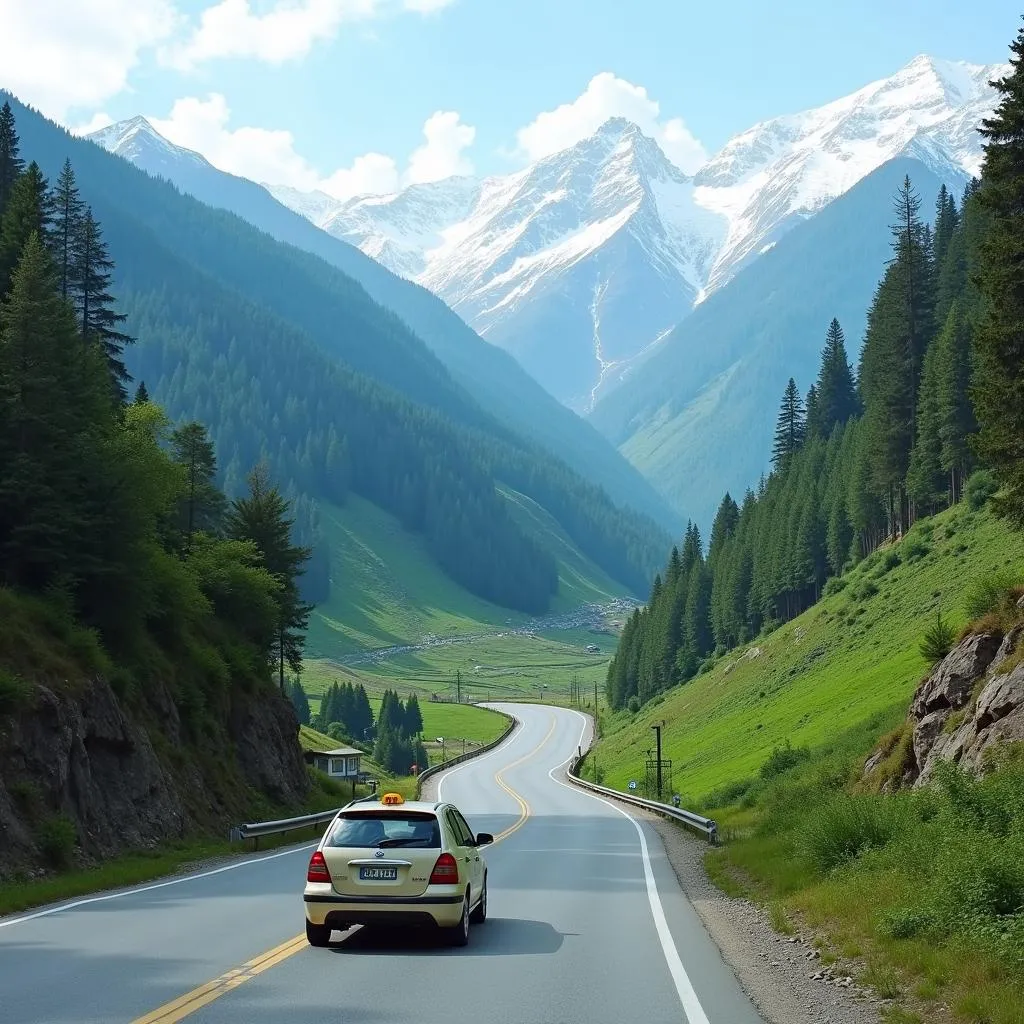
(343, 911)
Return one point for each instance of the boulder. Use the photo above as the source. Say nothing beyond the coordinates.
(949, 686)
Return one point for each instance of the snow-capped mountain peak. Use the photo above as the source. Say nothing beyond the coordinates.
(137, 140)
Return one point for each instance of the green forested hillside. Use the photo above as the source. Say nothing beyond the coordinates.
(855, 463)
(284, 356)
(487, 372)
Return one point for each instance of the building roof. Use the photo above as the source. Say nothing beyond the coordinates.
(337, 752)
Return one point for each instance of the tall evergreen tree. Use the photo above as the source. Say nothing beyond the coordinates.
(790, 427)
(11, 164)
(835, 391)
(998, 385)
(68, 212)
(925, 478)
(956, 422)
(946, 219)
(261, 516)
(413, 716)
(203, 505)
(29, 210)
(299, 701)
(98, 319)
(141, 394)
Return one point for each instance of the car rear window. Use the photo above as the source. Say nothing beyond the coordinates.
(370, 829)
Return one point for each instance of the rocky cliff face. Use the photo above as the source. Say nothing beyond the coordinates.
(129, 780)
(969, 705)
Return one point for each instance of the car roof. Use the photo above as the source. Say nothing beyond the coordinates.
(419, 806)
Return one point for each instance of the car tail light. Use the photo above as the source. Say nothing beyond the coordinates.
(318, 869)
(446, 871)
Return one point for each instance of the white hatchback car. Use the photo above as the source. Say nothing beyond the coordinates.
(396, 863)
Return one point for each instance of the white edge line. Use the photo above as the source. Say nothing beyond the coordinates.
(7, 922)
(684, 987)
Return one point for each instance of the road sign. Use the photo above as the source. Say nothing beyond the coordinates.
(632, 783)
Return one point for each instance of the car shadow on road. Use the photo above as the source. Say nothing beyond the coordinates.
(498, 936)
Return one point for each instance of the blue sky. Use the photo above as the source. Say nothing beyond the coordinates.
(338, 92)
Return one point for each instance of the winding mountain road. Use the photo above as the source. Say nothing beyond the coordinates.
(586, 924)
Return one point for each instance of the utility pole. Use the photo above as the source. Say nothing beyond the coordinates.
(657, 732)
(595, 696)
(458, 686)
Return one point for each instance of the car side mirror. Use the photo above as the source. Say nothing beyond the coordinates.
(484, 838)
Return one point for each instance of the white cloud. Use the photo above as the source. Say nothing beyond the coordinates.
(370, 174)
(262, 154)
(94, 124)
(269, 155)
(288, 30)
(62, 56)
(605, 96)
(441, 155)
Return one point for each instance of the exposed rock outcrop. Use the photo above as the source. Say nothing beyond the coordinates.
(129, 780)
(967, 706)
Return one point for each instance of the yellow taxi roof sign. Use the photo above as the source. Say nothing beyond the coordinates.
(392, 798)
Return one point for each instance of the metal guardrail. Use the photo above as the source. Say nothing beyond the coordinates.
(705, 826)
(254, 830)
(469, 755)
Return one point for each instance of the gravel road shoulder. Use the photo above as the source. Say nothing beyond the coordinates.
(781, 974)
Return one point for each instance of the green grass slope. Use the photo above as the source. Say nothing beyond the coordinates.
(387, 591)
(850, 663)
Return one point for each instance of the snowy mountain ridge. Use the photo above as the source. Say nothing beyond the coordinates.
(581, 262)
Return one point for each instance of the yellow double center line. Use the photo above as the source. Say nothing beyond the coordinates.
(180, 1008)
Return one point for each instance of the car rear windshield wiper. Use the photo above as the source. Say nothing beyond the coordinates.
(400, 842)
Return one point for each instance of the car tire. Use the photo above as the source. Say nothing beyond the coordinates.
(459, 935)
(318, 934)
(480, 914)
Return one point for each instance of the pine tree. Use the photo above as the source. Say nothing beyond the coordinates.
(413, 716)
(946, 220)
(43, 424)
(203, 505)
(141, 394)
(28, 211)
(813, 417)
(925, 476)
(11, 164)
(300, 702)
(956, 422)
(790, 427)
(724, 527)
(262, 517)
(68, 210)
(998, 382)
(835, 391)
(98, 320)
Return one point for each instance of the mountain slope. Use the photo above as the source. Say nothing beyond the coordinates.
(686, 415)
(284, 356)
(582, 261)
(394, 594)
(495, 380)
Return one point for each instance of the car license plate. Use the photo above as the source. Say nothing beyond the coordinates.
(376, 874)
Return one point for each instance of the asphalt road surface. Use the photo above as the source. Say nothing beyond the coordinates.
(586, 924)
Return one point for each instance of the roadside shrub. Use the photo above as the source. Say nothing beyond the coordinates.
(781, 759)
(981, 486)
(938, 640)
(840, 829)
(835, 585)
(863, 589)
(56, 840)
(904, 923)
(727, 795)
(633, 704)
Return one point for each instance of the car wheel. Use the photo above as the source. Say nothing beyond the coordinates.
(459, 935)
(318, 934)
(480, 914)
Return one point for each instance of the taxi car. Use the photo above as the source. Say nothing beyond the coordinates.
(397, 863)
